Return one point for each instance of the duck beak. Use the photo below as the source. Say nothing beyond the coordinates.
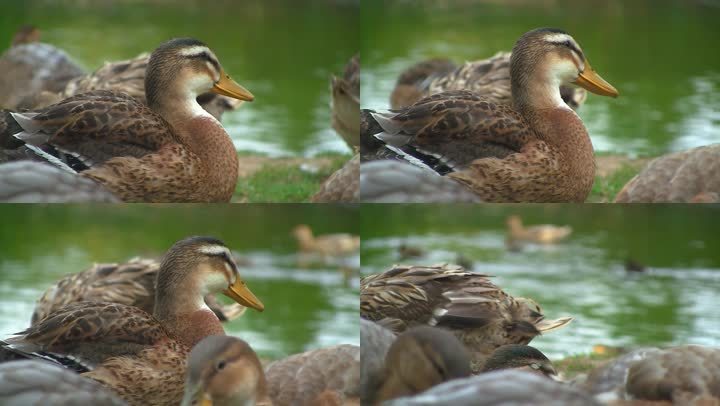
(546, 326)
(205, 401)
(228, 87)
(592, 82)
(239, 292)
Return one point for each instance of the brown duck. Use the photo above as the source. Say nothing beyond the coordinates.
(487, 77)
(168, 151)
(538, 150)
(539, 234)
(142, 357)
(130, 283)
(478, 312)
(341, 186)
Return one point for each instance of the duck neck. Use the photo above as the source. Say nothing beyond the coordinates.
(204, 136)
(184, 313)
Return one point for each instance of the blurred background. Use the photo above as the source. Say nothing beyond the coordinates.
(659, 54)
(307, 304)
(594, 275)
(283, 51)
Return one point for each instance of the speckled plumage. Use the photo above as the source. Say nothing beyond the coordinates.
(476, 310)
(342, 186)
(691, 176)
(331, 374)
(346, 103)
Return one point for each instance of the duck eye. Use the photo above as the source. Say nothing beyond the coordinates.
(220, 365)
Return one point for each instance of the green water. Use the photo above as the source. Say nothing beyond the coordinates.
(282, 51)
(660, 55)
(305, 308)
(674, 302)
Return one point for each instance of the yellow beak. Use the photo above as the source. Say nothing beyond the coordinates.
(228, 87)
(205, 401)
(241, 294)
(592, 82)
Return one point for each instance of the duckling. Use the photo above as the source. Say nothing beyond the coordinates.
(487, 77)
(539, 234)
(421, 358)
(142, 357)
(342, 186)
(326, 245)
(691, 176)
(131, 283)
(36, 182)
(477, 311)
(632, 265)
(33, 382)
(346, 103)
(506, 387)
(31, 67)
(375, 340)
(326, 376)
(224, 371)
(170, 150)
(536, 151)
(406, 252)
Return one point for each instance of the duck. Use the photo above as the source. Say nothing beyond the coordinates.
(345, 93)
(690, 176)
(633, 265)
(224, 371)
(329, 245)
(520, 357)
(37, 182)
(407, 251)
(31, 67)
(538, 150)
(421, 358)
(468, 304)
(375, 341)
(324, 376)
(131, 283)
(392, 181)
(26, 382)
(142, 356)
(504, 387)
(488, 77)
(168, 151)
(128, 77)
(539, 234)
(343, 186)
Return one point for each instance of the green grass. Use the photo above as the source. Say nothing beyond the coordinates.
(582, 363)
(278, 182)
(605, 188)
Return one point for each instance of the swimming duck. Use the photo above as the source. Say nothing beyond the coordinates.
(142, 357)
(224, 371)
(540, 234)
(37, 182)
(171, 150)
(346, 103)
(326, 245)
(326, 376)
(536, 151)
(34, 382)
(477, 311)
(130, 283)
(487, 77)
(506, 387)
(407, 251)
(691, 176)
(30, 67)
(341, 186)
(421, 358)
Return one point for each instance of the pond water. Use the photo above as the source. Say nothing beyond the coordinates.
(655, 52)
(282, 51)
(305, 307)
(674, 302)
